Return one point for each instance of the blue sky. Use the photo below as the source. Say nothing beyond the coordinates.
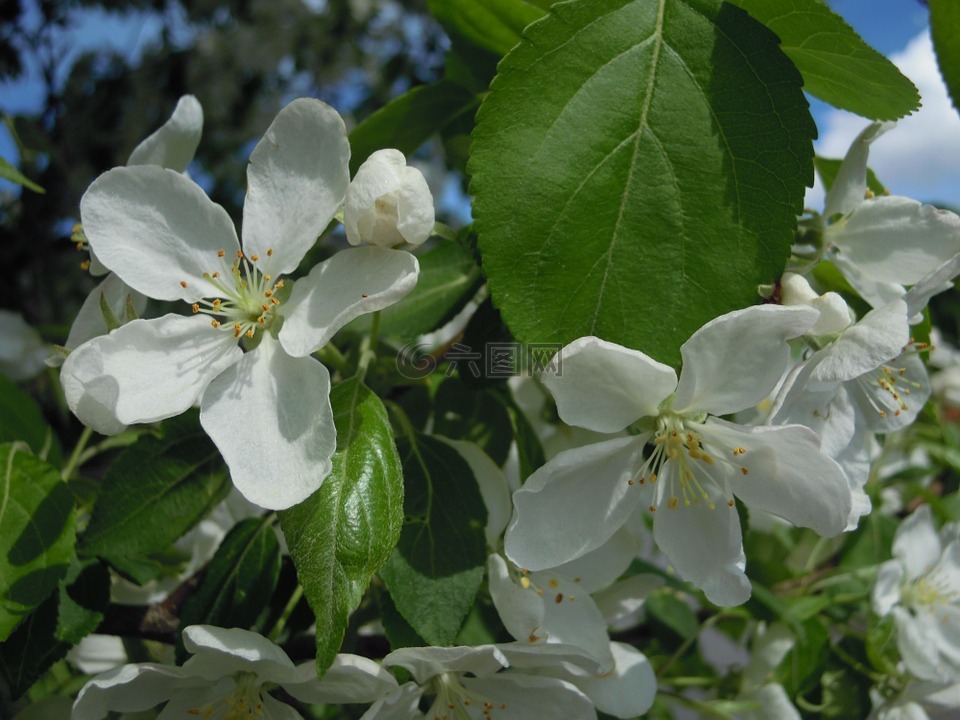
(920, 158)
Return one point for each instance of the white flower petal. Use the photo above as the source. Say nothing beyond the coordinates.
(736, 360)
(599, 568)
(916, 543)
(352, 282)
(296, 181)
(877, 338)
(273, 709)
(705, 548)
(89, 322)
(145, 371)
(520, 609)
(521, 697)
(574, 503)
(401, 704)
(350, 679)
(875, 292)
(787, 474)
(415, 213)
(622, 602)
(219, 652)
(427, 662)
(605, 387)
(934, 283)
(850, 184)
(131, 688)
(626, 692)
(896, 239)
(173, 145)
(917, 641)
(769, 648)
(270, 416)
(773, 703)
(828, 411)
(98, 653)
(156, 229)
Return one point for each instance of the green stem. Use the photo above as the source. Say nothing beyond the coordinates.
(285, 615)
(330, 355)
(705, 709)
(73, 462)
(688, 643)
(443, 231)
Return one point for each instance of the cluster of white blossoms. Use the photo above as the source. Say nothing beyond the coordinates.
(242, 350)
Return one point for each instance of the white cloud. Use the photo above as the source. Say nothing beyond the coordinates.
(920, 158)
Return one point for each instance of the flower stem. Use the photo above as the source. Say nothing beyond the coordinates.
(73, 462)
(285, 615)
(368, 346)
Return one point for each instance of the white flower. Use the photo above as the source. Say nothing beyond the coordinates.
(921, 588)
(575, 502)
(388, 203)
(268, 409)
(883, 243)
(171, 146)
(833, 309)
(22, 350)
(228, 676)
(769, 648)
(549, 681)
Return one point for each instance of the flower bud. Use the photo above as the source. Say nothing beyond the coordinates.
(834, 312)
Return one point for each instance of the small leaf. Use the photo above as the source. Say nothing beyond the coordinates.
(22, 419)
(30, 651)
(881, 645)
(345, 531)
(9, 172)
(494, 25)
(653, 184)
(37, 526)
(238, 582)
(449, 278)
(408, 121)
(944, 21)
(156, 490)
(837, 65)
(438, 565)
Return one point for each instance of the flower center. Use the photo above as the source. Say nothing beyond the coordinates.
(242, 703)
(686, 464)
(248, 296)
(931, 589)
(453, 699)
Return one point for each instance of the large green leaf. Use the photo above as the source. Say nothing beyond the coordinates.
(345, 531)
(945, 30)
(157, 490)
(836, 64)
(494, 25)
(239, 581)
(637, 170)
(437, 567)
(37, 526)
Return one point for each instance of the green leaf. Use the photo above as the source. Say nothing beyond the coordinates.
(495, 25)
(837, 65)
(156, 490)
(881, 645)
(238, 582)
(408, 121)
(37, 531)
(437, 567)
(346, 530)
(22, 419)
(668, 609)
(448, 279)
(30, 651)
(9, 172)
(944, 22)
(653, 184)
(84, 597)
(828, 168)
(474, 414)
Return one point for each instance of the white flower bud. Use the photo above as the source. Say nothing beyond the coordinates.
(388, 203)
(834, 312)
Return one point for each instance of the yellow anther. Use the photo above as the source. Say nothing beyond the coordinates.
(651, 508)
(250, 333)
(215, 323)
(183, 283)
(525, 583)
(85, 265)
(673, 502)
(269, 252)
(559, 598)
(554, 583)
(221, 253)
(744, 470)
(195, 307)
(730, 503)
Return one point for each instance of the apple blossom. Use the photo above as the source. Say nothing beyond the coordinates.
(698, 463)
(22, 350)
(920, 587)
(227, 676)
(267, 409)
